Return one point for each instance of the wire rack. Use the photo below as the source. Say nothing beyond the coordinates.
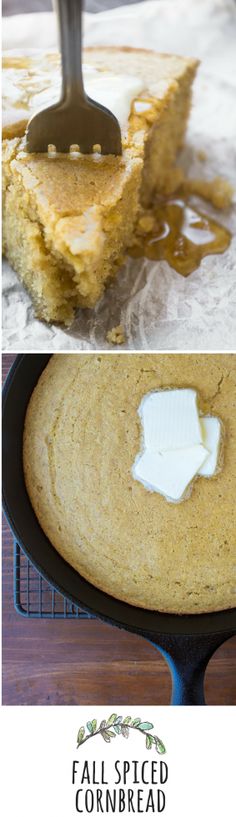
(34, 597)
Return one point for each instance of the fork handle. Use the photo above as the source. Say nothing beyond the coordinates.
(69, 14)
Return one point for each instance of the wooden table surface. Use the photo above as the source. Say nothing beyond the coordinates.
(87, 662)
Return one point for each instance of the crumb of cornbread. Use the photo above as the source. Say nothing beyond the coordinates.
(68, 222)
(116, 335)
(201, 155)
(82, 435)
(146, 223)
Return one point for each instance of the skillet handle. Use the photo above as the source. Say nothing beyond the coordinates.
(187, 658)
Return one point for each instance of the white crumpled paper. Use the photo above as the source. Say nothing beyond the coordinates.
(158, 308)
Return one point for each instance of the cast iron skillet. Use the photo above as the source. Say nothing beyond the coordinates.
(187, 642)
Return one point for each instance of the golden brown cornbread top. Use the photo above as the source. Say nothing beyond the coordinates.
(32, 79)
(82, 435)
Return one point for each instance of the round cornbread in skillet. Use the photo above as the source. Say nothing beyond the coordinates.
(82, 434)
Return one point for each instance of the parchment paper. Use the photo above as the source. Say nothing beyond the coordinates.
(157, 307)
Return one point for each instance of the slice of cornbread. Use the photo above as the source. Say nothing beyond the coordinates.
(68, 220)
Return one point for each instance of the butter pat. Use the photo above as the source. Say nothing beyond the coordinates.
(171, 472)
(211, 429)
(178, 445)
(170, 419)
(115, 91)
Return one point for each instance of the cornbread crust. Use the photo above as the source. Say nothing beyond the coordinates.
(67, 222)
(82, 434)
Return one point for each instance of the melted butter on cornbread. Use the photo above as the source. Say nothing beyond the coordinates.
(178, 444)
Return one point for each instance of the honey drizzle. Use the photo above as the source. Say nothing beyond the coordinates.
(174, 231)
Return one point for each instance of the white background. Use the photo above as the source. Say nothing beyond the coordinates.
(40, 745)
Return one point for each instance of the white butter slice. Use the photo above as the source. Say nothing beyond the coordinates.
(115, 91)
(178, 445)
(211, 430)
(170, 420)
(171, 472)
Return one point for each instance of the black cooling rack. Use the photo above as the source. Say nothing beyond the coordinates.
(34, 597)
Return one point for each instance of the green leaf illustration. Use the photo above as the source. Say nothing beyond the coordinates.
(92, 726)
(160, 748)
(112, 719)
(80, 735)
(125, 731)
(120, 726)
(136, 721)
